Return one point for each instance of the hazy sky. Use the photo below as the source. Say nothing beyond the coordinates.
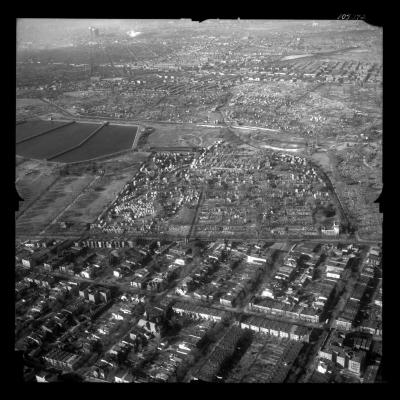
(58, 32)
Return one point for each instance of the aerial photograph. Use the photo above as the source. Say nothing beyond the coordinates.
(198, 200)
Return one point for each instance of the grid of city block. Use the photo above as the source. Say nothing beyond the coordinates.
(198, 201)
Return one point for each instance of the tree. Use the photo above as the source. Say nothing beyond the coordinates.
(317, 274)
(64, 171)
(330, 210)
(97, 347)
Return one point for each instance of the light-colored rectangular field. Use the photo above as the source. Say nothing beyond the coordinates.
(183, 135)
(32, 185)
(52, 203)
(90, 205)
(26, 102)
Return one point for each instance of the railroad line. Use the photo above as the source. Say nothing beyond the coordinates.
(193, 224)
(84, 191)
(57, 106)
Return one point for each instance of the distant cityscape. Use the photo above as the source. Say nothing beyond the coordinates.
(199, 201)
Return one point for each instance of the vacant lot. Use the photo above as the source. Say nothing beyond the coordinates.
(183, 135)
(33, 185)
(28, 102)
(92, 202)
(184, 216)
(26, 166)
(322, 159)
(28, 108)
(52, 203)
(32, 179)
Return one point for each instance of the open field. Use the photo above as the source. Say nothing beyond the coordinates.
(125, 162)
(59, 196)
(357, 185)
(110, 139)
(182, 135)
(32, 179)
(294, 57)
(31, 107)
(97, 196)
(38, 181)
(31, 186)
(26, 166)
(322, 159)
(92, 202)
(358, 55)
(276, 141)
(20, 103)
(184, 216)
(282, 137)
(364, 99)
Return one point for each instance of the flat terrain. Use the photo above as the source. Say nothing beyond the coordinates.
(92, 202)
(52, 203)
(32, 108)
(183, 217)
(108, 140)
(322, 159)
(39, 183)
(30, 128)
(26, 166)
(49, 144)
(32, 179)
(125, 161)
(21, 103)
(31, 186)
(182, 135)
(358, 55)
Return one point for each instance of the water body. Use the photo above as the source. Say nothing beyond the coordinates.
(265, 146)
(293, 57)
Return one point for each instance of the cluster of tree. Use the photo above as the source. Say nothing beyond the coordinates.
(64, 171)
(241, 347)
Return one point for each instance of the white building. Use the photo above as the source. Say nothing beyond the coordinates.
(331, 232)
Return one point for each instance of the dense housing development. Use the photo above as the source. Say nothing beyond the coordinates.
(179, 311)
(199, 201)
